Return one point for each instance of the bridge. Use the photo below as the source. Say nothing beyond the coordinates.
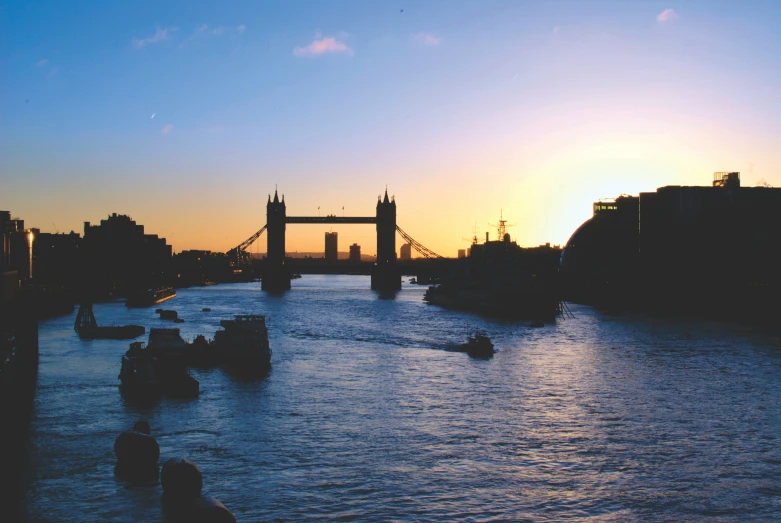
(385, 274)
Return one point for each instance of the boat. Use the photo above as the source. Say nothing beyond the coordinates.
(502, 279)
(168, 315)
(204, 353)
(139, 375)
(477, 345)
(172, 354)
(88, 329)
(161, 366)
(147, 297)
(244, 342)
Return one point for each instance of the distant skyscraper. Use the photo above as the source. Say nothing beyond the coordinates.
(331, 246)
(406, 252)
(462, 253)
(355, 253)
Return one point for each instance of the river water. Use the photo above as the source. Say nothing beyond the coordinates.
(365, 417)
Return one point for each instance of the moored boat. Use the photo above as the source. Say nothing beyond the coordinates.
(204, 353)
(88, 329)
(161, 366)
(173, 355)
(244, 342)
(139, 375)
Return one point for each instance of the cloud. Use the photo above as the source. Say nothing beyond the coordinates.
(167, 128)
(666, 15)
(159, 36)
(427, 39)
(556, 30)
(41, 63)
(204, 31)
(323, 46)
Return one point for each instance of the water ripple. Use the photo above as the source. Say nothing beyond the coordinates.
(364, 416)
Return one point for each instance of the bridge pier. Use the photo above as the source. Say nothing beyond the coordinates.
(276, 276)
(385, 274)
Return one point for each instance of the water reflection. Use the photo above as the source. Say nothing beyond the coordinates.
(364, 416)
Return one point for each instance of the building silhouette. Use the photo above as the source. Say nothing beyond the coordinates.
(119, 257)
(57, 258)
(405, 253)
(462, 253)
(355, 253)
(709, 250)
(17, 251)
(331, 246)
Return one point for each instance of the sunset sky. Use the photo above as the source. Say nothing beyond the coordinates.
(185, 115)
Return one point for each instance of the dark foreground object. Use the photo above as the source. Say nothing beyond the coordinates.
(137, 454)
(18, 373)
(182, 483)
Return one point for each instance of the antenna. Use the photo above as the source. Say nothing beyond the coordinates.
(473, 239)
(501, 227)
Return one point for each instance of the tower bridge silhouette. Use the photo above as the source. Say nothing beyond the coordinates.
(385, 274)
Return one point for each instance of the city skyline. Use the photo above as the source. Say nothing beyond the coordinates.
(186, 120)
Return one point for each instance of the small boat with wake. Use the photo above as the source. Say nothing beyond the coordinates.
(478, 344)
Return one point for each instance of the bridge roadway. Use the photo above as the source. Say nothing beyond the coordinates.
(330, 219)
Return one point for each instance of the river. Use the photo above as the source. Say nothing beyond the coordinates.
(365, 417)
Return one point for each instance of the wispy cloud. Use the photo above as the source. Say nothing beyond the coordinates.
(556, 30)
(204, 31)
(666, 16)
(167, 128)
(325, 45)
(159, 36)
(427, 39)
(41, 63)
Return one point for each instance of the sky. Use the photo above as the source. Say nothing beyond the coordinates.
(186, 115)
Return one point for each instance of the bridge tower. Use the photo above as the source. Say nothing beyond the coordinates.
(385, 273)
(276, 276)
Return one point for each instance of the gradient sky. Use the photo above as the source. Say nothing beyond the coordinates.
(185, 115)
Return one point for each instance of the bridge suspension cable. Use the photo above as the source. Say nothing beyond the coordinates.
(420, 248)
(249, 241)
